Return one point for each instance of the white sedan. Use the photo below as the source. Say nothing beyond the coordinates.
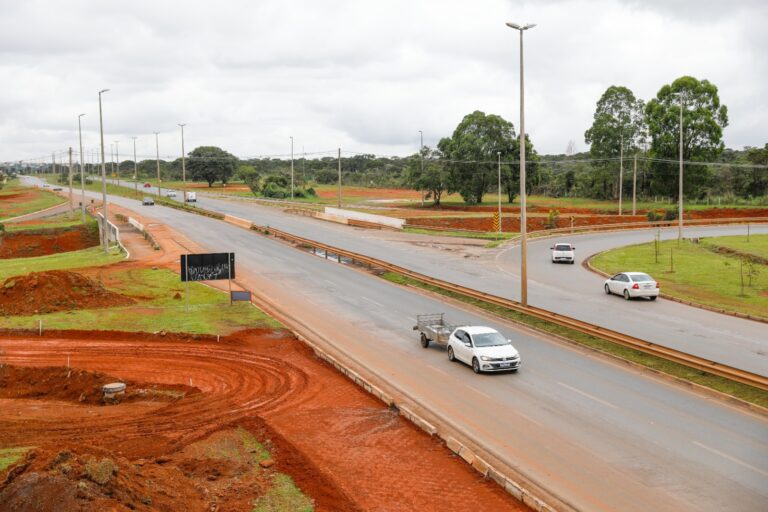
(631, 285)
(483, 348)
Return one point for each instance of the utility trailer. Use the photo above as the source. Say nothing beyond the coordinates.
(433, 327)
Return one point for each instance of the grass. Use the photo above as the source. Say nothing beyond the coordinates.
(757, 245)
(92, 257)
(695, 273)
(723, 385)
(283, 496)
(35, 200)
(62, 220)
(156, 308)
(10, 456)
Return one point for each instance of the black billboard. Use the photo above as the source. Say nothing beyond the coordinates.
(208, 267)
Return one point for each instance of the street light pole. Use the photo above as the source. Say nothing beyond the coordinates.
(680, 190)
(498, 154)
(523, 220)
(105, 227)
(291, 167)
(183, 165)
(82, 164)
(621, 170)
(157, 156)
(70, 182)
(135, 170)
(117, 157)
(421, 152)
(339, 177)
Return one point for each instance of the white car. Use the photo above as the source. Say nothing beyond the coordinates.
(563, 252)
(483, 348)
(170, 193)
(631, 285)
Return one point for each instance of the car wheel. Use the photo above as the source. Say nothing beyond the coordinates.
(424, 340)
(475, 365)
(653, 298)
(572, 262)
(607, 290)
(626, 295)
(451, 355)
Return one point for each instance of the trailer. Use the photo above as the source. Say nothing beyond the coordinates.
(433, 327)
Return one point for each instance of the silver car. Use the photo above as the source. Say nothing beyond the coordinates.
(631, 285)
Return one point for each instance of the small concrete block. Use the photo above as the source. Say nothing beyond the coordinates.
(497, 477)
(481, 466)
(453, 445)
(467, 454)
(515, 490)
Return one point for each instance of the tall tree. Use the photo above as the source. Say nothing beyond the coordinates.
(703, 121)
(758, 183)
(434, 177)
(211, 164)
(470, 153)
(618, 129)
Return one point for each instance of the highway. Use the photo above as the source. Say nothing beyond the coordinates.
(600, 434)
(567, 289)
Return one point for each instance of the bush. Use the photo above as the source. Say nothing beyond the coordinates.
(653, 216)
(552, 218)
(275, 191)
(670, 214)
(100, 472)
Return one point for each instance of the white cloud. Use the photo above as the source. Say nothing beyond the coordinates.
(363, 76)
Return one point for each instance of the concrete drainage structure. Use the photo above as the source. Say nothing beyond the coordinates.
(113, 391)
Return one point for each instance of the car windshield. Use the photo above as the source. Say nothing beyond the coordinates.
(639, 278)
(562, 247)
(489, 339)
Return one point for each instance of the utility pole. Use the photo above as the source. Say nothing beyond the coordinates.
(498, 154)
(117, 157)
(291, 167)
(104, 225)
(634, 186)
(71, 209)
(523, 220)
(621, 170)
(157, 157)
(183, 165)
(421, 154)
(680, 191)
(82, 164)
(112, 160)
(303, 165)
(339, 177)
(135, 169)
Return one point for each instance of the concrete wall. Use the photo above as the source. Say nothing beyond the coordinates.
(366, 217)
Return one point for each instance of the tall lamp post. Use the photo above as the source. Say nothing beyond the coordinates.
(523, 220)
(82, 164)
(183, 165)
(680, 95)
(498, 154)
(135, 170)
(105, 227)
(157, 157)
(291, 167)
(421, 153)
(117, 157)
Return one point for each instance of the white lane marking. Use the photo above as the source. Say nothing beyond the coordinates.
(732, 459)
(329, 282)
(582, 393)
(371, 301)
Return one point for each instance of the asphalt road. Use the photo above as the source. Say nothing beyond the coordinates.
(600, 434)
(567, 289)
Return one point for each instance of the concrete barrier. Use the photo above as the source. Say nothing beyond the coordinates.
(366, 217)
(237, 221)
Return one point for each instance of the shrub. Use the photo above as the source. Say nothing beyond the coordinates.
(653, 216)
(100, 471)
(552, 218)
(274, 190)
(670, 214)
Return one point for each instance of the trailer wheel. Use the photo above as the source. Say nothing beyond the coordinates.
(424, 340)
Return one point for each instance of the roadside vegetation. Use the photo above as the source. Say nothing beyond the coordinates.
(63, 220)
(720, 384)
(699, 272)
(10, 456)
(93, 257)
(16, 200)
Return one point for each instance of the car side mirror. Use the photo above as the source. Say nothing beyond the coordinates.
(467, 344)
(573, 248)
(552, 248)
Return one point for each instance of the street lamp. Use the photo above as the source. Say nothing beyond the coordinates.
(523, 220)
(498, 154)
(680, 95)
(421, 152)
(291, 167)
(135, 169)
(105, 227)
(117, 157)
(183, 165)
(157, 156)
(82, 164)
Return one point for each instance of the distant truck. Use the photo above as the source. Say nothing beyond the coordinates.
(191, 197)
(483, 348)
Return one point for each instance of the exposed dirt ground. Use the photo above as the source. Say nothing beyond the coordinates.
(55, 290)
(343, 448)
(41, 242)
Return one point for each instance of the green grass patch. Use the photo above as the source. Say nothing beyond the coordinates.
(695, 273)
(253, 446)
(756, 245)
(209, 311)
(63, 220)
(33, 199)
(283, 496)
(10, 456)
(91, 257)
(723, 385)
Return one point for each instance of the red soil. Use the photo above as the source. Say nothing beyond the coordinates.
(55, 290)
(371, 193)
(342, 447)
(24, 244)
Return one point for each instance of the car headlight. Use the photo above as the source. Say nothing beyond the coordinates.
(485, 358)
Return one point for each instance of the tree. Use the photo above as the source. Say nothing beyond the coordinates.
(618, 129)
(758, 184)
(703, 121)
(471, 153)
(510, 174)
(209, 163)
(434, 177)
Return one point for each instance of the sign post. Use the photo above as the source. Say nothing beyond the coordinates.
(207, 267)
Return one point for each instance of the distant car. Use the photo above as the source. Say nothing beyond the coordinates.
(45, 185)
(563, 252)
(57, 189)
(631, 285)
(147, 185)
(191, 197)
(170, 193)
(148, 201)
(484, 349)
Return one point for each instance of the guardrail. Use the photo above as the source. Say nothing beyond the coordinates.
(113, 233)
(644, 346)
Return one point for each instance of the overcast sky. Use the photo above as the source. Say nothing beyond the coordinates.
(361, 75)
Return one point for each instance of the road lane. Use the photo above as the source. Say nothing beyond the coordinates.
(639, 455)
